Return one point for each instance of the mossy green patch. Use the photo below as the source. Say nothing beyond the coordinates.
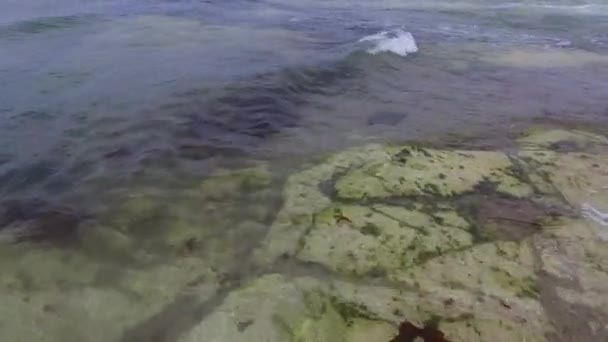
(431, 172)
(521, 286)
(351, 311)
(529, 288)
(560, 140)
(231, 182)
(371, 229)
(380, 240)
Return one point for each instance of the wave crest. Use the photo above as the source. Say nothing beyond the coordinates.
(397, 41)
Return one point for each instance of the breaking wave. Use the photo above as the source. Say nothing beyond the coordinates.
(397, 41)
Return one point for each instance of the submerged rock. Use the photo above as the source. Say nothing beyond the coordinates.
(573, 253)
(416, 171)
(236, 182)
(139, 268)
(38, 221)
(210, 219)
(461, 234)
(62, 295)
(381, 240)
(378, 243)
(274, 308)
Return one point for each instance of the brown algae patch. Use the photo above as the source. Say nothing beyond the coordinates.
(408, 332)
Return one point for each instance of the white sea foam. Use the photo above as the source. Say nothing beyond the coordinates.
(397, 41)
(597, 216)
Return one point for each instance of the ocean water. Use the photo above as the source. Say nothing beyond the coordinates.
(99, 90)
(103, 98)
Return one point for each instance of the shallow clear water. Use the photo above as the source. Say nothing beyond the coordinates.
(101, 99)
(84, 80)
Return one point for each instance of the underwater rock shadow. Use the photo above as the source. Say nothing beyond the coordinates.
(252, 110)
(37, 221)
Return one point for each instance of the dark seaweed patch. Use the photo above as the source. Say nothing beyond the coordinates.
(339, 216)
(39, 172)
(486, 187)
(370, 229)
(424, 256)
(120, 152)
(350, 311)
(409, 332)
(565, 146)
(41, 25)
(421, 151)
(38, 221)
(438, 219)
(376, 272)
(242, 326)
(402, 156)
(254, 109)
(529, 288)
(431, 189)
(518, 171)
(202, 151)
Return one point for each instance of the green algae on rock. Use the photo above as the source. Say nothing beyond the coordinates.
(460, 315)
(471, 245)
(274, 308)
(572, 252)
(229, 182)
(380, 238)
(171, 247)
(62, 295)
(304, 309)
(466, 242)
(431, 223)
(560, 140)
(416, 171)
(303, 197)
(502, 269)
(377, 172)
(226, 208)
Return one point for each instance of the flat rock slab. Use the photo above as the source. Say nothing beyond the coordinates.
(461, 234)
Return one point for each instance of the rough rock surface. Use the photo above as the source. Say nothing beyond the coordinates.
(121, 278)
(492, 245)
(377, 243)
(273, 308)
(573, 254)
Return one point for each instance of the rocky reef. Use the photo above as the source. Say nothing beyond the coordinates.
(475, 242)
(378, 243)
(133, 272)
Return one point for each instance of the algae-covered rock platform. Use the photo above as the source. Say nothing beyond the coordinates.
(384, 243)
(473, 245)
